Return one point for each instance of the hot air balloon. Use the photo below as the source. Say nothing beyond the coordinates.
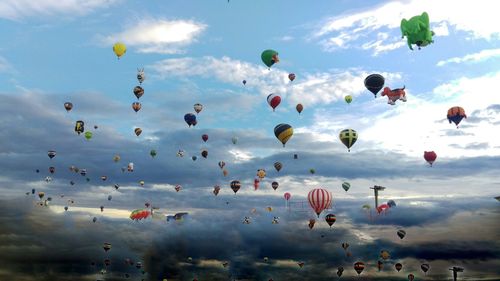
(430, 157)
(102, 208)
(287, 196)
(88, 135)
(291, 76)
(319, 200)
(394, 95)
(417, 30)
(312, 171)
(425, 267)
(138, 131)
(398, 266)
(141, 76)
(299, 108)
(401, 233)
(456, 114)
(194, 157)
(103, 178)
(136, 106)
(283, 132)
(235, 186)
(116, 186)
(348, 137)
(138, 92)
(216, 190)
(256, 183)
(234, 140)
(330, 219)
(391, 203)
(266, 259)
(120, 49)
(244, 82)
(261, 173)
(278, 166)
(52, 170)
(225, 172)
(141, 183)
(106, 246)
(374, 83)
(152, 153)
(130, 167)
(65, 208)
(94, 219)
(384, 255)
(140, 214)
(340, 270)
(116, 158)
(41, 194)
(79, 127)
(346, 186)
(204, 137)
(273, 100)
(295, 156)
(411, 277)
(180, 153)
(95, 127)
(204, 153)
(383, 207)
(190, 119)
(348, 99)
(110, 197)
(68, 106)
(345, 245)
(359, 267)
(311, 223)
(51, 154)
(275, 185)
(198, 108)
(269, 57)
(177, 188)
(301, 264)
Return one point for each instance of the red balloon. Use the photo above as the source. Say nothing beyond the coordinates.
(319, 199)
(204, 137)
(273, 100)
(430, 157)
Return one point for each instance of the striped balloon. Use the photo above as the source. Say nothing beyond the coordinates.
(283, 132)
(319, 199)
(346, 186)
(273, 100)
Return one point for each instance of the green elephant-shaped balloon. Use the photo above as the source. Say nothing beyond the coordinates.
(417, 31)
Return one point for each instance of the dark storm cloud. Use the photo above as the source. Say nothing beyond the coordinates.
(39, 125)
(45, 245)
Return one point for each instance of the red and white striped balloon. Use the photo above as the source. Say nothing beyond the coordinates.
(319, 199)
(273, 100)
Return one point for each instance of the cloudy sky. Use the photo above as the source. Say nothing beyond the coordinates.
(200, 52)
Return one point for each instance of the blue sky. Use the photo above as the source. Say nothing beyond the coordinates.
(199, 52)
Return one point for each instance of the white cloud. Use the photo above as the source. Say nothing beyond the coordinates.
(420, 124)
(4, 65)
(345, 30)
(308, 89)
(158, 35)
(19, 9)
(476, 57)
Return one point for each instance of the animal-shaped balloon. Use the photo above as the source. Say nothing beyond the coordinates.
(394, 95)
(417, 30)
(140, 75)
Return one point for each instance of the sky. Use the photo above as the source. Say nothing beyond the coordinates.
(200, 52)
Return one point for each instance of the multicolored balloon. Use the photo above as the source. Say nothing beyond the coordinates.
(348, 137)
(273, 100)
(319, 200)
(283, 132)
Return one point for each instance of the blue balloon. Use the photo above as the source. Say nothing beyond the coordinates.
(190, 119)
(194, 158)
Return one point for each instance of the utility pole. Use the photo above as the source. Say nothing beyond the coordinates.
(456, 269)
(376, 188)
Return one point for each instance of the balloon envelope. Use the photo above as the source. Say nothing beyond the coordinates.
(283, 132)
(374, 83)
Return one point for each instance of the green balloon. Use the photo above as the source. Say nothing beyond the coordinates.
(88, 135)
(348, 99)
(152, 153)
(269, 57)
(417, 30)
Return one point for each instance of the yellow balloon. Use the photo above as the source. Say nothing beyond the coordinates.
(120, 49)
